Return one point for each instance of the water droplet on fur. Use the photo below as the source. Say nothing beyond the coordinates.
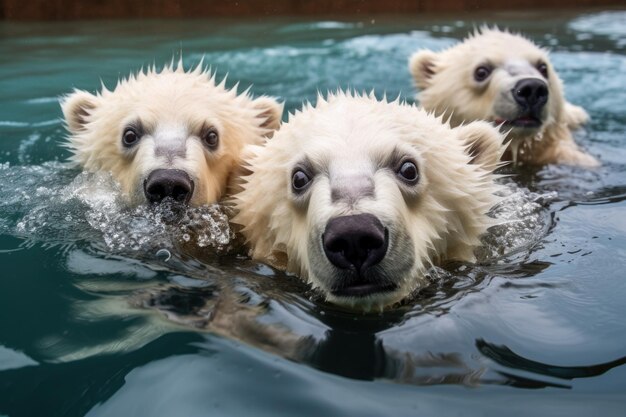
(514, 148)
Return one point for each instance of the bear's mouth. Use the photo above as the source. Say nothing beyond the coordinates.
(361, 289)
(525, 122)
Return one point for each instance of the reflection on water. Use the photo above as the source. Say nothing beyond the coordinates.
(115, 310)
(506, 357)
(254, 310)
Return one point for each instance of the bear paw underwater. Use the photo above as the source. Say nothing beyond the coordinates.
(505, 79)
(359, 197)
(167, 135)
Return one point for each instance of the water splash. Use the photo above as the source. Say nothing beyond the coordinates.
(609, 24)
(91, 208)
(51, 207)
(523, 219)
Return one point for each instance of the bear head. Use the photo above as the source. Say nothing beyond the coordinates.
(496, 76)
(359, 197)
(167, 134)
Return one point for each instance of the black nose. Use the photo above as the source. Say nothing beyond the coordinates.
(359, 241)
(172, 183)
(531, 93)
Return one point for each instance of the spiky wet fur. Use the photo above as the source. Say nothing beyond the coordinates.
(183, 101)
(441, 218)
(446, 84)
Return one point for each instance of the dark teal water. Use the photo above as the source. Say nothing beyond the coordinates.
(100, 315)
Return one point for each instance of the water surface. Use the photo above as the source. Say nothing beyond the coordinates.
(106, 310)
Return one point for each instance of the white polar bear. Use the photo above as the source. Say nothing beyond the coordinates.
(505, 79)
(359, 197)
(169, 134)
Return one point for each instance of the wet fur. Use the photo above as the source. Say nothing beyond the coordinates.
(173, 105)
(346, 135)
(446, 84)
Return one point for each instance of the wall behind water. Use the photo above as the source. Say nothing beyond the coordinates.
(113, 9)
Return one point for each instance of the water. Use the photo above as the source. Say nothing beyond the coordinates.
(107, 310)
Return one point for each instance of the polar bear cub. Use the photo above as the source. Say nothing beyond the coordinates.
(167, 134)
(505, 79)
(359, 197)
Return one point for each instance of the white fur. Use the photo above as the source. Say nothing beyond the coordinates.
(173, 106)
(348, 139)
(448, 88)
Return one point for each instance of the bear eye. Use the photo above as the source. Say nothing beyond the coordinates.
(299, 181)
(542, 67)
(210, 138)
(408, 172)
(130, 137)
(482, 72)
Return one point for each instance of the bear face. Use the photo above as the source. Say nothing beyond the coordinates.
(360, 197)
(169, 134)
(505, 79)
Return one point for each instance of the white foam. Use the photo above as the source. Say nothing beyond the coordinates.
(91, 208)
(611, 24)
(523, 219)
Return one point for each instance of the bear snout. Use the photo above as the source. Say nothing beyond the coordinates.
(172, 183)
(531, 94)
(355, 242)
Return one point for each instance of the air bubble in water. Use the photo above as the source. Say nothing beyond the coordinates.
(164, 255)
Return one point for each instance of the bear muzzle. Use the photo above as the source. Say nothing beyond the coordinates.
(531, 96)
(168, 183)
(356, 244)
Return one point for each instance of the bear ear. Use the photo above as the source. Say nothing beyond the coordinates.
(484, 144)
(76, 107)
(422, 67)
(575, 116)
(270, 110)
